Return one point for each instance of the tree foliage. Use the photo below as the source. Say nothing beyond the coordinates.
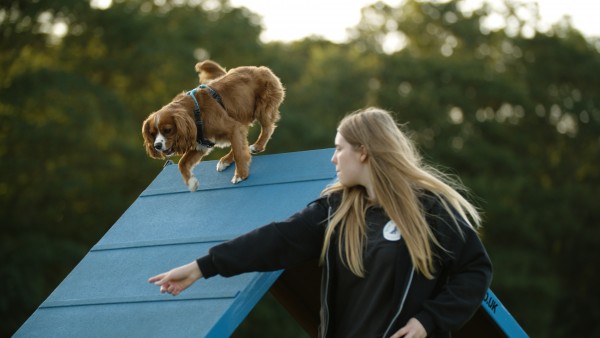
(514, 112)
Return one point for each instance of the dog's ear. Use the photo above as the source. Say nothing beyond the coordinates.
(185, 136)
(149, 139)
(209, 70)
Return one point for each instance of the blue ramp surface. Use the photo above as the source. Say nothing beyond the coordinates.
(107, 294)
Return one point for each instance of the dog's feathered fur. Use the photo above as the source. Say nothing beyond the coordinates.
(248, 94)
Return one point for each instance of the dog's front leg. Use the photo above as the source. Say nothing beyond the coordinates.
(225, 161)
(186, 164)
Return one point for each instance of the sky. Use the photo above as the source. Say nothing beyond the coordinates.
(290, 20)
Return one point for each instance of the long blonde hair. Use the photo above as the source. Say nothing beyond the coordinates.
(398, 176)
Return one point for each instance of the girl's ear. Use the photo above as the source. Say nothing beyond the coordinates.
(363, 154)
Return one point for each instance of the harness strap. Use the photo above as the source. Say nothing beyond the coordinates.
(198, 120)
(198, 116)
(213, 93)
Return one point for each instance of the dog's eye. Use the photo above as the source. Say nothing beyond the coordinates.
(167, 130)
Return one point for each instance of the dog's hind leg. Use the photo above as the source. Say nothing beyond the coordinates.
(261, 143)
(186, 164)
(267, 121)
(267, 109)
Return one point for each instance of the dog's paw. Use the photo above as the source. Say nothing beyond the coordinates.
(193, 184)
(223, 165)
(254, 149)
(236, 179)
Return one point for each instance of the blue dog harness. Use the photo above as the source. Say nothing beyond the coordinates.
(198, 115)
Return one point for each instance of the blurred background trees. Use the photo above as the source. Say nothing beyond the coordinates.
(515, 113)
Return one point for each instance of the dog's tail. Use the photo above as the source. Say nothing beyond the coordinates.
(209, 70)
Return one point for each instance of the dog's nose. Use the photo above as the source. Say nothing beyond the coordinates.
(158, 146)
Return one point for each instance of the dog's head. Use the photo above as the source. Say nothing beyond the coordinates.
(172, 130)
(169, 131)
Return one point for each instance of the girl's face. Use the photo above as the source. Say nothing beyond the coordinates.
(350, 163)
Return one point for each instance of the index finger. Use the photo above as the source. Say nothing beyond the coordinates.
(156, 278)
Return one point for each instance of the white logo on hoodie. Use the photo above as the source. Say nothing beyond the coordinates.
(391, 231)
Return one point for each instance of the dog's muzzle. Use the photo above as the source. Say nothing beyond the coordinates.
(159, 147)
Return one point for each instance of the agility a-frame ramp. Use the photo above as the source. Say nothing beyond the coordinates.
(107, 293)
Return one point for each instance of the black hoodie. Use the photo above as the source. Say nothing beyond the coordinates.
(391, 292)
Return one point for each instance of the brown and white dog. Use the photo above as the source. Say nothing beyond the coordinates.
(225, 105)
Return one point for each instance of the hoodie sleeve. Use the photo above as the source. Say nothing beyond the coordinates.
(272, 247)
(465, 274)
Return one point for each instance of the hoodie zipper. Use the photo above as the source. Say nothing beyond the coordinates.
(324, 298)
(410, 279)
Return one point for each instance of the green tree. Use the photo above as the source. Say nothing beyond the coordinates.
(58, 142)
